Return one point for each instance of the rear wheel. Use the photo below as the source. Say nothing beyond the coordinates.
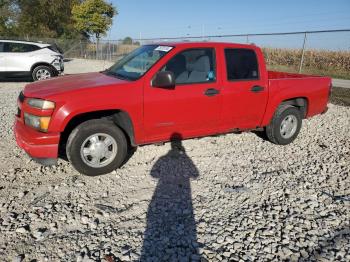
(285, 125)
(42, 72)
(96, 147)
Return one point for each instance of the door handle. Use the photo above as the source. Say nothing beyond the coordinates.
(211, 92)
(257, 89)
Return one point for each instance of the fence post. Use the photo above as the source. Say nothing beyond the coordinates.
(109, 50)
(97, 47)
(112, 51)
(247, 39)
(303, 53)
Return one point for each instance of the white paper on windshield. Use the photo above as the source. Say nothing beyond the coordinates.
(163, 48)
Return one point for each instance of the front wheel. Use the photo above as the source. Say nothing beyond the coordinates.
(96, 147)
(285, 125)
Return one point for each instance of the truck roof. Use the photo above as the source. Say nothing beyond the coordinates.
(205, 43)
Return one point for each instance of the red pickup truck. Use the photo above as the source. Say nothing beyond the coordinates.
(156, 91)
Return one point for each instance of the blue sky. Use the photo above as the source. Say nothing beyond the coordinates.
(155, 18)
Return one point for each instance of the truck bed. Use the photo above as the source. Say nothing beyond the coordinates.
(283, 75)
(315, 89)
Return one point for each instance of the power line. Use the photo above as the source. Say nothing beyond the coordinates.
(245, 35)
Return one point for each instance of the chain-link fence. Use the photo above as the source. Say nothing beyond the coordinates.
(325, 52)
(314, 52)
(110, 50)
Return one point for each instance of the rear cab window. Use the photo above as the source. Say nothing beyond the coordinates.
(241, 64)
(19, 47)
(193, 66)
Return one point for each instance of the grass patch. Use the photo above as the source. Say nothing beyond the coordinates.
(340, 96)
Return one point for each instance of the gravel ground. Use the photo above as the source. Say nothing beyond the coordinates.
(226, 198)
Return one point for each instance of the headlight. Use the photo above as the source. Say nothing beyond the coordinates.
(40, 103)
(57, 57)
(40, 123)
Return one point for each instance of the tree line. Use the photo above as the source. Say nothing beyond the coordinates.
(69, 19)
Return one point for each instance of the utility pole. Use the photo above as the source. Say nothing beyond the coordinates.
(303, 53)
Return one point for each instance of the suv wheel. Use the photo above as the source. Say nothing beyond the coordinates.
(42, 72)
(285, 125)
(96, 147)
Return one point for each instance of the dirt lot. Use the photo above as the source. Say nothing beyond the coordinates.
(212, 199)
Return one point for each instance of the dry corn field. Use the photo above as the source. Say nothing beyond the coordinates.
(335, 64)
(332, 63)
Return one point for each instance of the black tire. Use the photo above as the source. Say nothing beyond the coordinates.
(86, 130)
(47, 69)
(273, 130)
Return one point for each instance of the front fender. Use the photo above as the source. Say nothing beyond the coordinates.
(67, 112)
(74, 104)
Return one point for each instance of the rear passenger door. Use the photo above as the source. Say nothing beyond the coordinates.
(18, 56)
(245, 92)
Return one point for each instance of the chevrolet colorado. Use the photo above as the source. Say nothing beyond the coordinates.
(191, 89)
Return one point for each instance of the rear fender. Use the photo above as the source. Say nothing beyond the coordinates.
(301, 102)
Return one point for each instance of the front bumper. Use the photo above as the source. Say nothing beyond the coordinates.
(58, 64)
(36, 144)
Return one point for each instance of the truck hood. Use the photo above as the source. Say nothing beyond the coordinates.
(68, 83)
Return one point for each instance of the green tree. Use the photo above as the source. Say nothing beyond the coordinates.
(46, 18)
(127, 40)
(93, 17)
(8, 17)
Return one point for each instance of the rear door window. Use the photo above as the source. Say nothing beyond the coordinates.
(19, 47)
(1, 47)
(241, 64)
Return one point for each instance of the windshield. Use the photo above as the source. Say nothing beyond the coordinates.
(138, 62)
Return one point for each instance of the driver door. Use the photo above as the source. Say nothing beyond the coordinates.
(192, 107)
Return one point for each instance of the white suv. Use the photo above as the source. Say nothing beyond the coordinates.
(29, 59)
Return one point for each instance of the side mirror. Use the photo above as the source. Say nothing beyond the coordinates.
(164, 79)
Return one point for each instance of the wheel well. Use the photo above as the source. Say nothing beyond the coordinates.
(119, 117)
(42, 64)
(300, 102)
